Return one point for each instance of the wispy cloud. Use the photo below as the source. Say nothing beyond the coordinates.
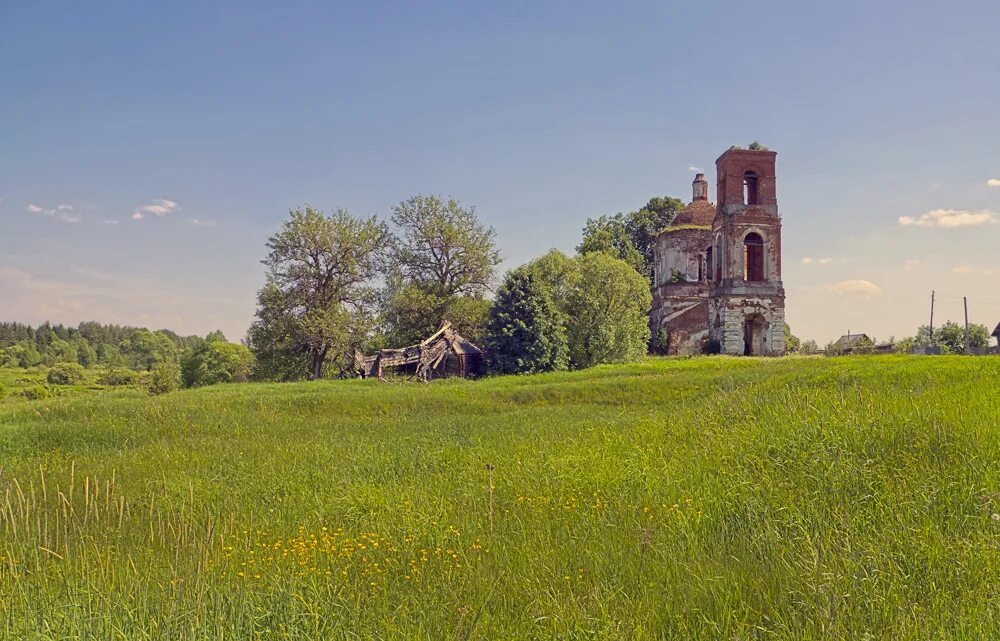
(966, 270)
(197, 222)
(159, 207)
(993, 182)
(63, 213)
(950, 218)
(911, 264)
(693, 168)
(857, 287)
(110, 221)
(809, 260)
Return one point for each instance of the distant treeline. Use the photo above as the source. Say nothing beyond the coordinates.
(91, 344)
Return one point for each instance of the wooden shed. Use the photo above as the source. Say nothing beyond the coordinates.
(443, 353)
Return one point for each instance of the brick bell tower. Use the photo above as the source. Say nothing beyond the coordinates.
(747, 299)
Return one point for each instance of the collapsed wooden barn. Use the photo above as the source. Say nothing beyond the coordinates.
(443, 353)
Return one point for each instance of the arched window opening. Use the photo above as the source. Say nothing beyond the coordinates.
(701, 268)
(753, 257)
(750, 188)
(708, 264)
(717, 260)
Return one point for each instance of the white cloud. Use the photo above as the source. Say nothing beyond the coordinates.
(110, 221)
(159, 207)
(950, 218)
(693, 168)
(807, 260)
(993, 182)
(911, 264)
(197, 222)
(819, 261)
(856, 287)
(965, 270)
(64, 213)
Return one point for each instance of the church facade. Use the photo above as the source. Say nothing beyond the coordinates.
(717, 267)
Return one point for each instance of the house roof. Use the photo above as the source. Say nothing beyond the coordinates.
(853, 340)
(996, 332)
(699, 212)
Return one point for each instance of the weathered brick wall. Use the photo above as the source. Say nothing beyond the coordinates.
(679, 297)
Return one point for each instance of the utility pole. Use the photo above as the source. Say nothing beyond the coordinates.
(968, 348)
(932, 318)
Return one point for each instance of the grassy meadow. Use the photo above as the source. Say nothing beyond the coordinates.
(710, 498)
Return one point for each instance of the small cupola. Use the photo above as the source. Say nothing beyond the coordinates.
(699, 188)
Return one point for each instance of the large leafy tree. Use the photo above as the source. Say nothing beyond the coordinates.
(603, 302)
(526, 332)
(950, 337)
(631, 236)
(318, 301)
(443, 264)
(216, 361)
(609, 308)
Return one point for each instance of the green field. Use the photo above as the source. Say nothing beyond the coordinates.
(711, 498)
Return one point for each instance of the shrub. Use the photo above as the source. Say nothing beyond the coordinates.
(117, 376)
(36, 393)
(217, 362)
(65, 374)
(525, 332)
(164, 377)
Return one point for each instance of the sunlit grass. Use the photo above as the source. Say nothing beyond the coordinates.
(708, 498)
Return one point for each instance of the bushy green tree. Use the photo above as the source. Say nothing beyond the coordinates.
(318, 300)
(809, 347)
(792, 341)
(117, 376)
(631, 236)
(526, 332)
(164, 377)
(604, 304)
(217, 361)
(147, 349)
(609, 308)
(442, 266)
(950, 337)
(65, 374)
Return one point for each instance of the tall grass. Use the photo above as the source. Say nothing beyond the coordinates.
(708, 498)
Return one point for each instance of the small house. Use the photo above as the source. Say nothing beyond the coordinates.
(854, 344)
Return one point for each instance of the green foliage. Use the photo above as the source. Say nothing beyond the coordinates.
(148, 349)
(164, 377)
(441, 268)
(526, 333)
(950, 337)
(35, 393)
(809, 347)
(820, 501)
(603, 302)
(631, 236)
(116, 377)
(608, 308)
(318, 301)
(3, 391)
(756, 146)
(65, 374)
(217, 361)
(792, 342)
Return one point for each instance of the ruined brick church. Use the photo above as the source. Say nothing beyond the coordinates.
(717, 267)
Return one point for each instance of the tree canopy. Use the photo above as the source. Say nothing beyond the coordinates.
(319, 299)
(442, 266)
(526, 332)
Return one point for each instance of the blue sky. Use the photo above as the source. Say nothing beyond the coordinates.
(149, 149)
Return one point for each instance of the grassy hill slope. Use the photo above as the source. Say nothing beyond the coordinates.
(709, 498)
